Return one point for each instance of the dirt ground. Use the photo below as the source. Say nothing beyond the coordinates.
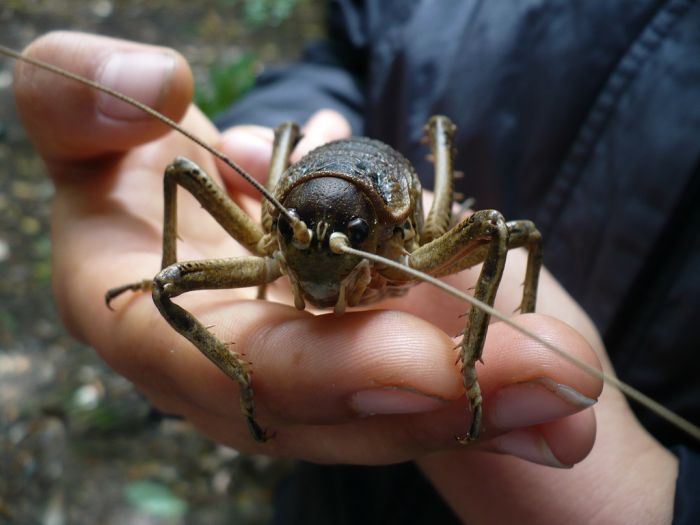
(78, 444)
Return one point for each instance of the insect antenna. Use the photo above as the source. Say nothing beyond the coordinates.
(341, 245)
(301, 232)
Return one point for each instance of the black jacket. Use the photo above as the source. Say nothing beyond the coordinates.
(583, 116)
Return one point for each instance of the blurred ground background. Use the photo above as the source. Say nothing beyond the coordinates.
(77, 443)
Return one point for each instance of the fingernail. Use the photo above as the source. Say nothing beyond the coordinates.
(534, 402)
(528, 445)
(393, 401)
(140, 75)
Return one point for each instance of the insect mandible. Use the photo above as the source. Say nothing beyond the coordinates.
(367, 241)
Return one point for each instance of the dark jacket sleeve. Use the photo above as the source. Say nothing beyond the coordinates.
(686, 507)
(329, 75)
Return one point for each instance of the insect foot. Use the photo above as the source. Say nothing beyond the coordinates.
(140, 286)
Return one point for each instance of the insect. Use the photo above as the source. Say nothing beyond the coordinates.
(357, 193)
(368, 241)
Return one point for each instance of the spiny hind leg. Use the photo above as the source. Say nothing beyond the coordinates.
(515, 234)
(521, 233)
(482, 237)
(472, 345)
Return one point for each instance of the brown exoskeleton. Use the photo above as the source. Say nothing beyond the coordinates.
(354, 193)
(353, 233)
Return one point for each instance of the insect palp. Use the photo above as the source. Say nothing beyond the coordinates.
(302, 234)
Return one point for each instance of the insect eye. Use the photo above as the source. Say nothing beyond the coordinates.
(284, 227)
(358, 230)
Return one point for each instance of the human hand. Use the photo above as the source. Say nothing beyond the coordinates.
(628, 477)
(317, 378)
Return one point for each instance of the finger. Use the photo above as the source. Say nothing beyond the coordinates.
(560, 443)
(251, 146)
(71, 122)
(292, 365)
(571, 439)
(391, 436)
(323, 126)
(370, 387)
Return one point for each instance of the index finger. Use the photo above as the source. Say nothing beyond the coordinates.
(251, 146)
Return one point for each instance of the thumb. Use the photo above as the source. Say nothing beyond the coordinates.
(70, 122)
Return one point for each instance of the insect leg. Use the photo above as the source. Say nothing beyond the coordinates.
(525, 233)
(213, 198)
(482, 237)
(439, 132)
(521, 233)
(287, 135)
(238, 272)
